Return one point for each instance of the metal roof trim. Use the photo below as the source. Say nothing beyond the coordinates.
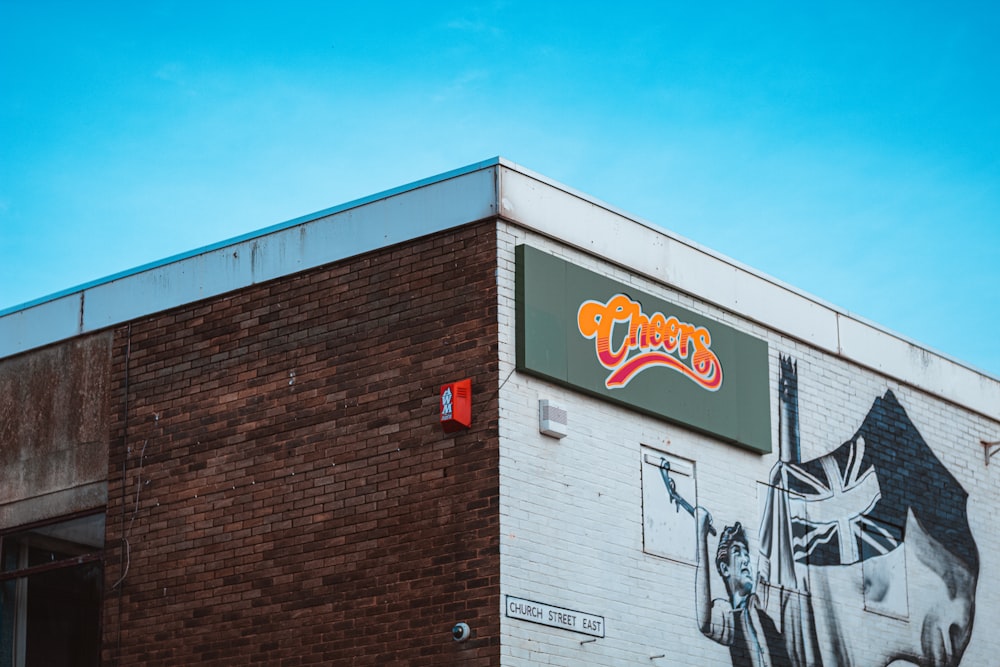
(256, 234)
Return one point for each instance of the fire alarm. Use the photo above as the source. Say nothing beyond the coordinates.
(456, 405)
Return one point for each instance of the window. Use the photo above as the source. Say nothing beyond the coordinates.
(51, 583)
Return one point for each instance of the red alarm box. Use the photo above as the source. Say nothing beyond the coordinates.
(456, 405)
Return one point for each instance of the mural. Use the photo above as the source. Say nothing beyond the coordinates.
(865, 554)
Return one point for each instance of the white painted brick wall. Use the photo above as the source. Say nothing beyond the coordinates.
(571, 509)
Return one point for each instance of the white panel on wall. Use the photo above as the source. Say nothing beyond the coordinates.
(668, 482)
(885, 584)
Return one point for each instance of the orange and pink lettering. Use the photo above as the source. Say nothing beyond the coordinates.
(648, 340)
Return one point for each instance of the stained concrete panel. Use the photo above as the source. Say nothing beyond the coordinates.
(54, 423)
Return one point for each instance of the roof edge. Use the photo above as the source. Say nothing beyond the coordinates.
(259, 233)
(393, 216)
(666, 257)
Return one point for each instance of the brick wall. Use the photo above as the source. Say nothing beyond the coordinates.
(575, 516)
(279, 474)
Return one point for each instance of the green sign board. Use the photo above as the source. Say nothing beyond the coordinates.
(599, 336)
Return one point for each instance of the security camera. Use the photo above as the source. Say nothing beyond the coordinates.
(461, 632)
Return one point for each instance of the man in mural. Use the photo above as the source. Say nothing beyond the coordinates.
(738, 622)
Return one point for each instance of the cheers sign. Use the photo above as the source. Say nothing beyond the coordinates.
(597, 335)
(648, 341)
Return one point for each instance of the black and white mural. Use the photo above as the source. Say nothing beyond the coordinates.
(863, 555)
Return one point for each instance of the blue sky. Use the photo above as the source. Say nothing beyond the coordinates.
(851, 150)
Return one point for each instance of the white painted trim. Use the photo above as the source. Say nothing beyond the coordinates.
(381, 220)
(535, 202)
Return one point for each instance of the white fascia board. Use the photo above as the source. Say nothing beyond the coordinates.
(641, 247)
(551, 209)
(54, 320)
(918, 366)
(395, 216)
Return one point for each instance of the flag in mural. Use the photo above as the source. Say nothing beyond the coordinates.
(877, 525)
(852, 504)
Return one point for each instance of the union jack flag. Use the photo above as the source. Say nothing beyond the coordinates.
(833, 508)
(851, 504)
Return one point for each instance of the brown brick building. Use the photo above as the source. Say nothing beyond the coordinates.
(278, 488)
(235, 456)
